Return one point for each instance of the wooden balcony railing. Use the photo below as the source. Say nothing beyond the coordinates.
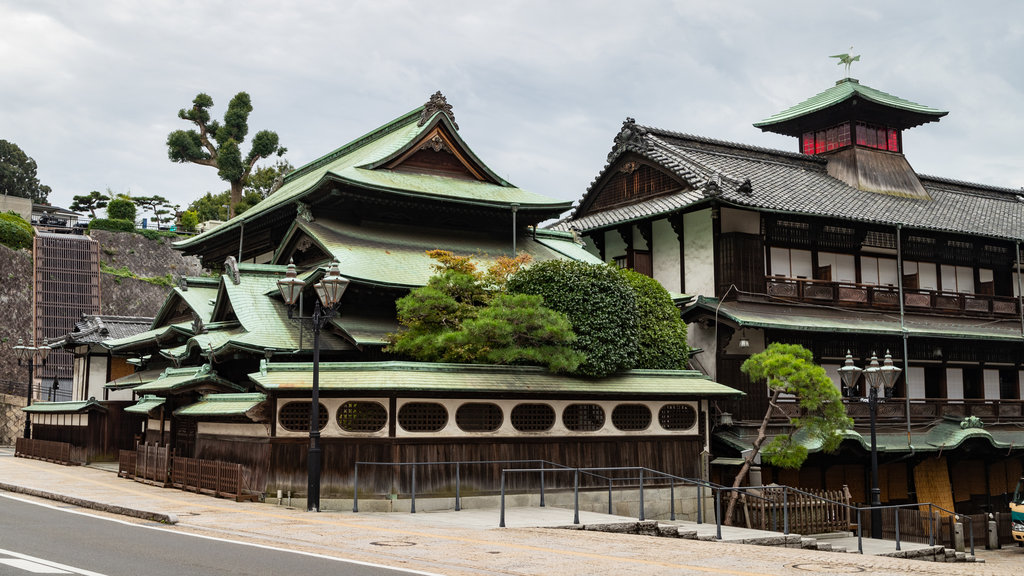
(887, 297)
(990, 411)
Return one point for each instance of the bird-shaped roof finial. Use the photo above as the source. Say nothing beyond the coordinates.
(847, 59)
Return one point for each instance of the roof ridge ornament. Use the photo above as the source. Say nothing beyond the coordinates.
(847, 59)
(231, 269)
(630, 137)
(437, 103)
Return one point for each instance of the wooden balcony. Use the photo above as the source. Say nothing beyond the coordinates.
(991, 411)
(849, 294)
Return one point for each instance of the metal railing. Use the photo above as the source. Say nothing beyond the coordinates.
(458, 466)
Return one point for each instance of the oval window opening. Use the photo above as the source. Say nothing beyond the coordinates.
(294, 417)
(583, 417)
(631, 417)
(479, 417)
(422, 417)
(362, 417)
(533, 417)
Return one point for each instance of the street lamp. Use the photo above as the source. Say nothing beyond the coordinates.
(328, 291)
(879, 378)
(29, 353)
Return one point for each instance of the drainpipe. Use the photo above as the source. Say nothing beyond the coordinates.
(1020, 295)
(515, 208)
(903, 329)
(241, 234)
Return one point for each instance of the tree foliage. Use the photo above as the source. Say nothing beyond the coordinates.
(462, 315)
(265, 180)
(662, 337)
(214, 206)
(218, 145)
(121, 209)
(790, 369)
(92, 201)
(189, 221)
(599, 303)
(157, 205)
(15, 231)
(18, 174)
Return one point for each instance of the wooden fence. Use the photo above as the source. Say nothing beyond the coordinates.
(157, 465)
(810, 512)
(147, 463)
(222, 479)
(58, 452)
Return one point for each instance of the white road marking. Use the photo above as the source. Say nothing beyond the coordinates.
(30, 566)
(40, 566)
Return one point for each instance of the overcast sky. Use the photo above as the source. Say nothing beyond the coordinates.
(90, 90)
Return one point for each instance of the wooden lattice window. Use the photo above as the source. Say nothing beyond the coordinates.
(788, 233)
(677, 417)
(362, 417)
(479, 417)
(533, 417)
(422, 417)
(880, 239)
(634, 182)
(294, 417)
(631, 417)
(583, 417)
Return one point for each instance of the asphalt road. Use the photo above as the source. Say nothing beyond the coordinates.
(37, 538)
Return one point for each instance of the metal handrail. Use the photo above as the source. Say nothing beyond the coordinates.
(458, 476)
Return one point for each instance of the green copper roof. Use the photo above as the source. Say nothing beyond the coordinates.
(133, 380)
(222, 405)
(89, 405)
(199, 298)
(439, 378)
(175, 379)
(827, 319)
(348, 165)
(390, 255)
(947, 434)
(148, 338)
(146, 404)
(844, 90)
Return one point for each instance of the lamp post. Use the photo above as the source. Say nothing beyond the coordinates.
(29, 353)
(878, 378)
(328, 291)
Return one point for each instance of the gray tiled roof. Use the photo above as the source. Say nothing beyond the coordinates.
(793, 183)
(95, 329)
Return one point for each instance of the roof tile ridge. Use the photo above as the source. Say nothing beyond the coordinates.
(359, 142)
(706, 172)
(978, 185)
(738, 145)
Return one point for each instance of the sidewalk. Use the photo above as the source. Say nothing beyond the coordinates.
(447, 542)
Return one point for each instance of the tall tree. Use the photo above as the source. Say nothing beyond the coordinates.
(18, 174)
(219, 145)
(92, 201)
(790, 369)
(265, 180)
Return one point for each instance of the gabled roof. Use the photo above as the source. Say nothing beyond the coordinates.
(789, 183)
(147, 339)
(223, 405)
(363, 163)
(828, 319)
(197, 294)
(146, 404)
(396, 256)
(911, 113)
(93, 329)
(90, 405)
(461, 379)
(132, 380)
(175, 380)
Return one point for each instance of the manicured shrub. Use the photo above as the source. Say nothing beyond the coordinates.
(662, 331)
(121, 209)
(114, 225)
(15, 231)
(599, 303)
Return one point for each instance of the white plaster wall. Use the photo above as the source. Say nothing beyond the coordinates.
(120, 395)
(638, 240)
(665, 254)
(614, 246)
(832, 371)
(954, 383)
(699, 253)
(915, 383)
(990, 379)
(843, 266)
(506, 429)
(97, 377)
(698, 336)
(743, 221)
(79, 376)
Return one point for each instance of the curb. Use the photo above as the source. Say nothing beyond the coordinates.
(121, 510)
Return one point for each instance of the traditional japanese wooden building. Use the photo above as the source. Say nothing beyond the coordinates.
(839, 246)
(228, 371)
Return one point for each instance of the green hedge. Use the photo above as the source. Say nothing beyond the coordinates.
(121, 209)
(114, 225)
(15, 231)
